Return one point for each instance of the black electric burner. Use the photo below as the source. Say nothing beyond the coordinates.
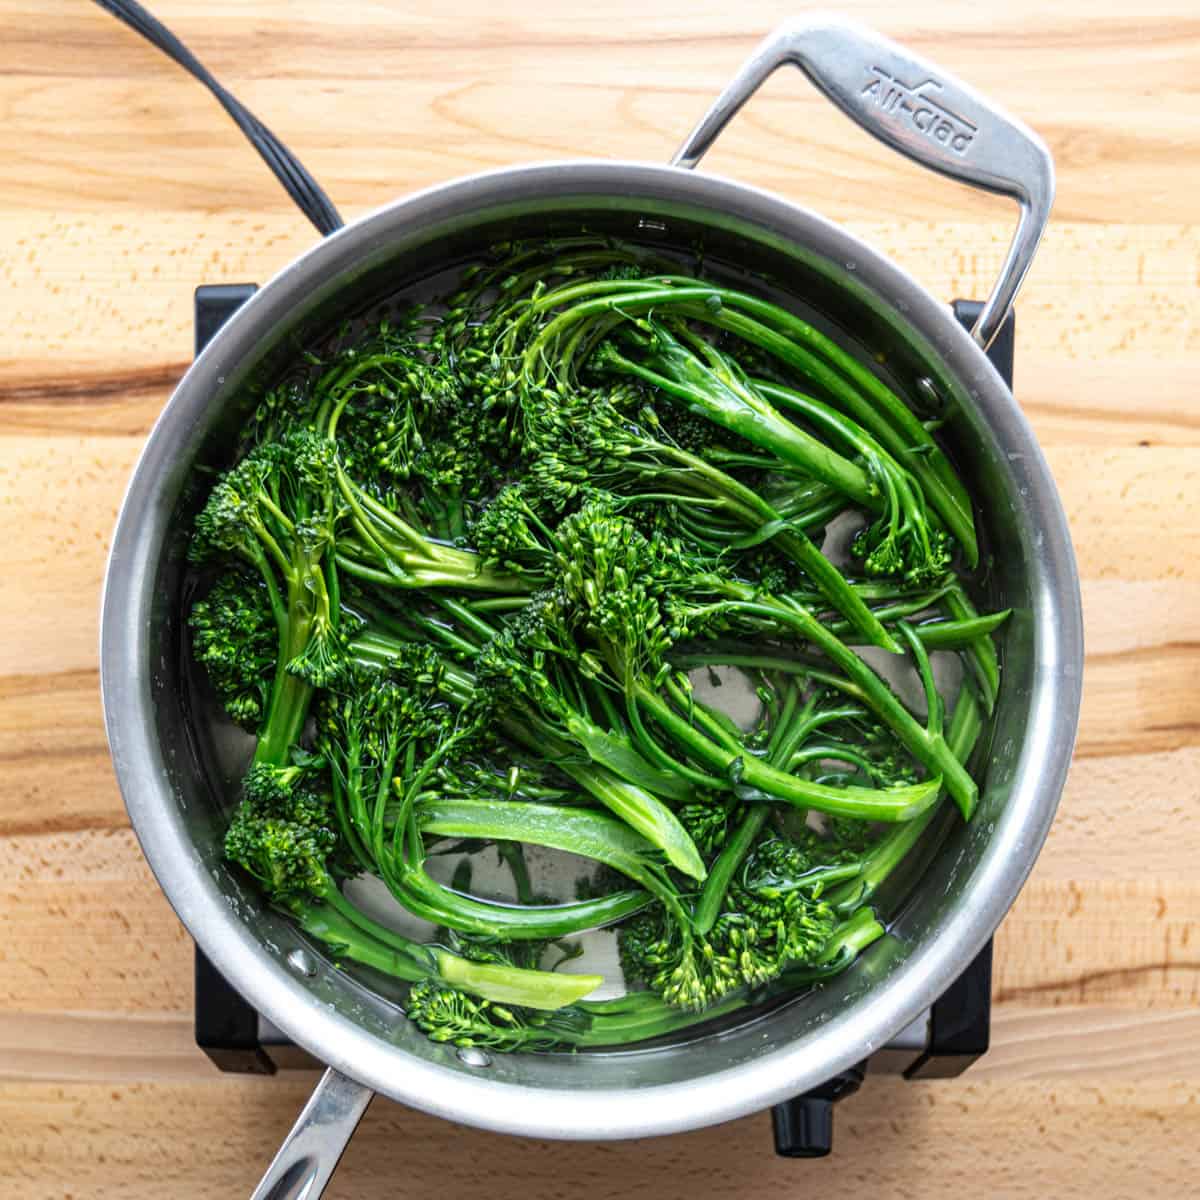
(941, 1043)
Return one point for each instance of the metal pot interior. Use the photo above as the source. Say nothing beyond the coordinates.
(177, 764)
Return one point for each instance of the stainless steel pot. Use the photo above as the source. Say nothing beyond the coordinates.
(165, 765)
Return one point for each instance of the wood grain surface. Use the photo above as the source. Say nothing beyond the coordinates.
(123, 186)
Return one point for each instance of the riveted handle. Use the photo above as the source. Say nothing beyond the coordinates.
(917, 109)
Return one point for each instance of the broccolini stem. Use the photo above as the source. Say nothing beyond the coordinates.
(410, 578)
(431, 901)
(608, 749)
(346, 825)
(287, 709)
(789, 731)
(754, 511)
(933, 700)
(465, 616)
(929, 748)
(512, 854)
(649, 746)
(791, 540)
(907, 606)
(821, 751)
(546, 990)
(743, 411)
(981, 656)
(966, 724)
(604, 705)
(857, 389)
(420, 957)
(721, 873)
(352, 934)
(490, 604)
(579, 831)
(752, 779)
(346, 940)
(885, 470)
(959, 635)
(848, 942)
(643, 812)
(785, 718)
(272, 549)
(714, 722)
(894, 425)
(641, 1016)
(443, 633)
(417, 561)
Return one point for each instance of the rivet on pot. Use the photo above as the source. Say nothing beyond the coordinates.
(302, 963)
(925, 385)
(472, 1056)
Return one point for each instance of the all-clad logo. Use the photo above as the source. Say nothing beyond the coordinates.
(918, 104)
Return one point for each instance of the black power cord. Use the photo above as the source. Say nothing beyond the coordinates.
(285, 166)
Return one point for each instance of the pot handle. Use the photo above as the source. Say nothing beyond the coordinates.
(917, 109)
(312, 1150)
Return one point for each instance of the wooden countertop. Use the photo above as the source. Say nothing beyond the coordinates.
(122, 186)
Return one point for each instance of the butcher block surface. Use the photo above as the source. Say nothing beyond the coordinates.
(123, 186)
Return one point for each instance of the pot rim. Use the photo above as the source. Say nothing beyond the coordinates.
(749, 1086)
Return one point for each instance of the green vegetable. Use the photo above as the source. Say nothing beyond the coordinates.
(463, 582)
(281, 835)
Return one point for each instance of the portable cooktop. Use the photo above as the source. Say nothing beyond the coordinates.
(943, 1042)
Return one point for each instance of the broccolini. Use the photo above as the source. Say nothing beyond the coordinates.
(466, 583)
